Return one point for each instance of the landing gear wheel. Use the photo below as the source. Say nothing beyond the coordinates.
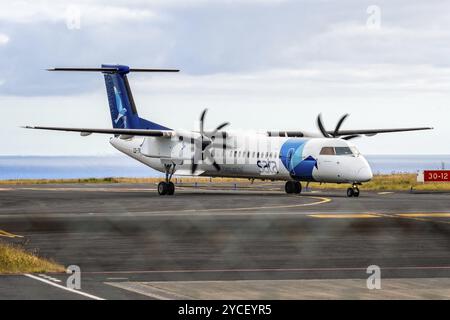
(166, 188)
(350, 192)
(289, 187)
(162, 188)
(170, 188)
(356, 192)
(298, 187)
(293, 187)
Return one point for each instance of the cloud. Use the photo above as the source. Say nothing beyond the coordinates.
(29, 12)
(257, 63)
(4, 39)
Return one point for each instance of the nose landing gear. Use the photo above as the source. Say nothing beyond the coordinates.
(353, 191)
(167, 187)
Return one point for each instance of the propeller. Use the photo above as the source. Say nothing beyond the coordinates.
(206, 142)
(335, 133)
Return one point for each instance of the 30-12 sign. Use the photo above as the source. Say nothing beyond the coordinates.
(436, 175)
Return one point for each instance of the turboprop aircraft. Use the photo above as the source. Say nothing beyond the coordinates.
(291, 156)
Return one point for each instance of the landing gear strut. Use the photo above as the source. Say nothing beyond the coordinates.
(293, 187)
(353, 191)
(167, 187)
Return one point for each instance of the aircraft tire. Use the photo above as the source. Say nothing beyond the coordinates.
(162, 188)
(170, 188)
(289, 187)
(350, 192)
(298, 187)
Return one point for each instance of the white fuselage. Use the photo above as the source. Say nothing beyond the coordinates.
(256, 156)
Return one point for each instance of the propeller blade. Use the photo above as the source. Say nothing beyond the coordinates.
(223, 125)
(321, 127)
(202, 120)
(205, 144)
(339, 124)
(216, 165)
(353, 136)
(193, 166)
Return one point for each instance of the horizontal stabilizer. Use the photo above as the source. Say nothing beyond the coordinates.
(113, 69)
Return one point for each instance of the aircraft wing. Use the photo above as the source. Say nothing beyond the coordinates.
(372, 132)
(125, 132)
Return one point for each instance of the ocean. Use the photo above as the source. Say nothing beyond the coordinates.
(64, 167)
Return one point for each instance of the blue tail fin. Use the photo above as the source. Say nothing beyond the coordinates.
(121, 104)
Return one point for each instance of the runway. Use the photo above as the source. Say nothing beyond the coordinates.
(131, 243)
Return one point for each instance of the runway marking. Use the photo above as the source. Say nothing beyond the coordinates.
(49, 278)
(344, 216)
(421, 217)
(89, 189)
(267, 270)
(424, 214)
(321, 200)
(62, 287)
(9, 235)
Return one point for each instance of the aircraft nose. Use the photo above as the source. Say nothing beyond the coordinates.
(365, 174)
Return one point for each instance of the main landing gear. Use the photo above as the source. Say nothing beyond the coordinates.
(167, 187)
(293, 187)
(353, 191)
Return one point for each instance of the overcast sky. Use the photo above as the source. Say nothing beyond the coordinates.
(259, 64)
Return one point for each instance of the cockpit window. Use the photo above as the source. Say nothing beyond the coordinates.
(343, 151)
(327, 151)
(355, 151)
(339, 151)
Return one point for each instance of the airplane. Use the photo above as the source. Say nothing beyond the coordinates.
(291, 156)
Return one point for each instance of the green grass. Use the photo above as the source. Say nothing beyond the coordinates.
(14, 259)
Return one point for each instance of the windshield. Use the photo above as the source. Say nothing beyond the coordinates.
(339, 151)
(343, 151)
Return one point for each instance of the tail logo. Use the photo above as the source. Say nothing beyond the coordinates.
(121, 110)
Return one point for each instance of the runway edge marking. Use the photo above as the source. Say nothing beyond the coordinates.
(344, 216)
(63, 287)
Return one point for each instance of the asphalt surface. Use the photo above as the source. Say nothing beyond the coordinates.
(127, 233)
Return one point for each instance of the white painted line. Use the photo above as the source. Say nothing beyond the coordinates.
(49, 278)
(387, 192)
(63, 288)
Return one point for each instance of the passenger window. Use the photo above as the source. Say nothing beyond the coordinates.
(327, 151)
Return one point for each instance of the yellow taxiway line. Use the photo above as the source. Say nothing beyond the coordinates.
(9, 235)
(425, 215)
(344, 216)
